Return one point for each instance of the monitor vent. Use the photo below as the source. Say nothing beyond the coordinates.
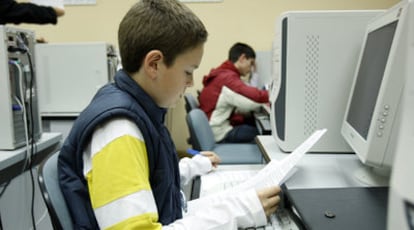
(311, 84)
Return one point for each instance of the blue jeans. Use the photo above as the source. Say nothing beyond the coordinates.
(241, 134)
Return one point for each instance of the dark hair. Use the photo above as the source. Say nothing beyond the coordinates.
(240, 48)
(165, 25)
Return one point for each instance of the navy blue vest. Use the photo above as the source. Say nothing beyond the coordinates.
(124, 98)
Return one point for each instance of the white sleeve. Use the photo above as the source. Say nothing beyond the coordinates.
(238, 101)
(195, 166)
(228, 212)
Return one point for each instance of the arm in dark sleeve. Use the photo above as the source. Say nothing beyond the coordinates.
(13, 12)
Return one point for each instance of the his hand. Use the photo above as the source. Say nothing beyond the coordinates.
(214, 158)
(59, 11)
(269, 197)
(41, 40)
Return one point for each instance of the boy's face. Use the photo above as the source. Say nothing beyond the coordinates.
(244, 64)
(174, 80)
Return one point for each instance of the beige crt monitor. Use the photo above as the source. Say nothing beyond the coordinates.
(69, 74)
(401, 195)
(372, 116)
(314, 58)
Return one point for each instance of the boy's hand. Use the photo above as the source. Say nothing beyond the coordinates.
(269, 197)
(214, 158)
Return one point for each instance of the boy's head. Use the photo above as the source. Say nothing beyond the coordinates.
(239, 49)
(164, 25)
(243, 57)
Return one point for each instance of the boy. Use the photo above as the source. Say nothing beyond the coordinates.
(228, 101)
(118, 167)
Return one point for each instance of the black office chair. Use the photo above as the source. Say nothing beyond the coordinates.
(190, 102)
(52, 195)
(202, 138)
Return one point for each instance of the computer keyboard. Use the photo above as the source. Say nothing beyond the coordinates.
(280, 220)
(263, 122)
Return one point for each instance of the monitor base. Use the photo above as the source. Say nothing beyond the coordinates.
(373, 176)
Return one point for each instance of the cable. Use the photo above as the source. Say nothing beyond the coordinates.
(22, 104)
(32, 134)
(6, 184)
(29, 132)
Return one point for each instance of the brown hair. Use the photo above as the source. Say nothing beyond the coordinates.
(240, 48)
(165, 25)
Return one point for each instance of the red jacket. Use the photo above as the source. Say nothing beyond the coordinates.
(227, 75)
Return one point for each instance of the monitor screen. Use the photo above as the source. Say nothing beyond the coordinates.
(369, 78)
(373, 114)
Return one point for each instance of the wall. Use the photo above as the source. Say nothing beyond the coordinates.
(229, 21)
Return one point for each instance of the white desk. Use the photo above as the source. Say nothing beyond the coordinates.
(323, 170)
(314, 171)
(11, 161)
(9, 157)
(15, 203)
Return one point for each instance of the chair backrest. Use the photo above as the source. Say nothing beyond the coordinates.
(190, 102)
(52, 195)
(202, 137)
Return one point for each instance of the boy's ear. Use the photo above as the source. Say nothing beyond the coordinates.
(242, 56)
(240, 60)
(152, 62)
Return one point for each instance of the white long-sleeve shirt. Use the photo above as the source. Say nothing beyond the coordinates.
(121, 194)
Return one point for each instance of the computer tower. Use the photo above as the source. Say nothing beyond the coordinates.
(20, 120)
(69, 74)
(315, 54)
